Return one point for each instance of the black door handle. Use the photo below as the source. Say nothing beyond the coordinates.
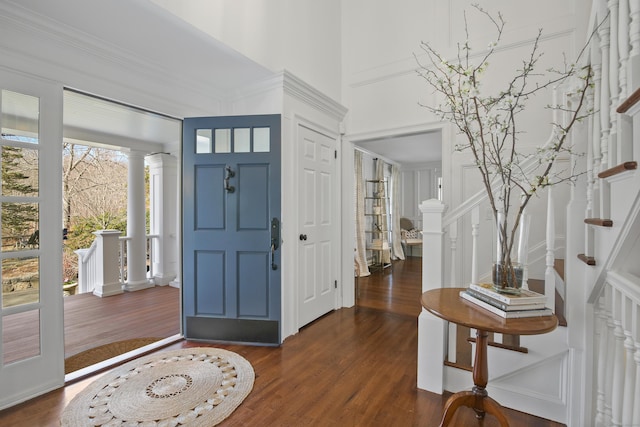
(303, 237)
(275, 241)
(229, 174)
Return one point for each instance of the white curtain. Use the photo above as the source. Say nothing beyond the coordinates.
(396, 240)
(360, 256)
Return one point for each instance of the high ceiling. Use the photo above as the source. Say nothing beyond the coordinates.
(101, 122)
(407, 150)
(95, 35)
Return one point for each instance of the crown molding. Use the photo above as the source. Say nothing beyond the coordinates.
(287, 83)
(299, 89)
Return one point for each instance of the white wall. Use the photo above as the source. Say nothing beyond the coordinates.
(417, 184)
(380, 39)
(300, 36)
(382, 89)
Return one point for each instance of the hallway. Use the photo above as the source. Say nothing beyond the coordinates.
(352, 367)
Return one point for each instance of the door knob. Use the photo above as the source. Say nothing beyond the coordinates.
(303, 237)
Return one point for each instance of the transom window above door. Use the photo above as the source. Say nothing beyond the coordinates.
(233, 140)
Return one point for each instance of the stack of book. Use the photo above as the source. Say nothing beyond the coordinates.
(510, 306)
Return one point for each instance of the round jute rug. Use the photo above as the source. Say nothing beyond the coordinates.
(188, 387)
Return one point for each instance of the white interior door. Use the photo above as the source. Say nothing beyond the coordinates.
(318, 245)
(31, 306)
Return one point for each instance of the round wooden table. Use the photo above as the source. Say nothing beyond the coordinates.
(447, 304)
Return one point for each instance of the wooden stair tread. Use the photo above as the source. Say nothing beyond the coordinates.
(589, 260)
(622, 167)
(599, 221)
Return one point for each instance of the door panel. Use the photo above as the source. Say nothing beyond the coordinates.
(253, 272)
(317, 254)
(209, 294)
(253, 212)
(231, 194)
(210, 200)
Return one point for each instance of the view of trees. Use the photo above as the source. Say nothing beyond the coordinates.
(94, 184)
(94, 187)
(18, 219)
(94, 197)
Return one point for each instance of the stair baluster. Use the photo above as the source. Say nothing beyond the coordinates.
(630, 378)
(601, 339)
(550, 274)
(617, 391)
(617, 360)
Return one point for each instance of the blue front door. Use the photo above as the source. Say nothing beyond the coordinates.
(231, 229)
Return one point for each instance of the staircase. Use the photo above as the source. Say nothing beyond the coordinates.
(587, 371)
(614, 296)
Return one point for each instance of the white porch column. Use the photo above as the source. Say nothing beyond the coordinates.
(107, 277)
(431, 329)
(136, 228)
(163, 194)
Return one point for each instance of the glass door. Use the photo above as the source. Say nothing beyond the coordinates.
(31, 309)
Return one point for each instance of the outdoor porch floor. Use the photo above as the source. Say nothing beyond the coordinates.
(91, 321)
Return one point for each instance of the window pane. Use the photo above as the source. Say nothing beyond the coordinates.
(223, 141)
(19, 171)
(19, 227)
(203, 141)
(261, 140)
(242, 140)
(20, 115)
(20, 336)
(20, 281)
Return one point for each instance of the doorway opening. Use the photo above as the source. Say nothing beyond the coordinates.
(413, 174)
(106, 190)
(393, 175)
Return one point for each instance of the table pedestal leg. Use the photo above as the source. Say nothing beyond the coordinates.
(477, 398)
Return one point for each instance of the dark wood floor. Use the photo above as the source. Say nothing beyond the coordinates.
(352, 367)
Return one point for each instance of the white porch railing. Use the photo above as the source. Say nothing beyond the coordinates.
(104, 264)
(151, 239)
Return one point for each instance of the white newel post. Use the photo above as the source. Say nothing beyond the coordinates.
(107, 266)
(163, 195)
(136, 226)
(431, 329)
